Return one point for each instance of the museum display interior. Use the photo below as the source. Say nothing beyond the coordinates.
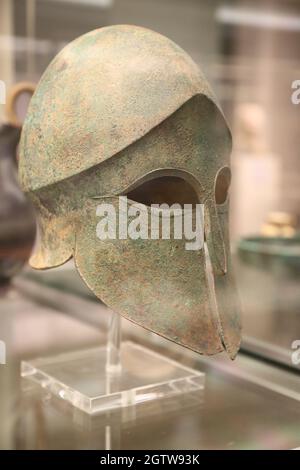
(55, 333)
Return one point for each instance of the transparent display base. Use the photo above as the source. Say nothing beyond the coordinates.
(82, 377)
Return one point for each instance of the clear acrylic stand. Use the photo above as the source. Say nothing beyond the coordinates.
(113, 376)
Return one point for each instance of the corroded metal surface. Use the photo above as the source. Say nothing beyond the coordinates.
(123, 80)
(155, 283)
(118, 107)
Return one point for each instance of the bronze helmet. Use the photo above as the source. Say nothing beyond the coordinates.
(118, 108)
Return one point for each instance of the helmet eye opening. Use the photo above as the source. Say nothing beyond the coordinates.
(164, 190)
(222, 184)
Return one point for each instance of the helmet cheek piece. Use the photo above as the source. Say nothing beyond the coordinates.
(224, 285)
(214, 238)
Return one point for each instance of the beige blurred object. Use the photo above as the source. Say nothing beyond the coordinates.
(257, 172)
(13, 94)
(250, 129)
(280, 224)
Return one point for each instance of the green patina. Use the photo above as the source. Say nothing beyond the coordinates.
(119, 108)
